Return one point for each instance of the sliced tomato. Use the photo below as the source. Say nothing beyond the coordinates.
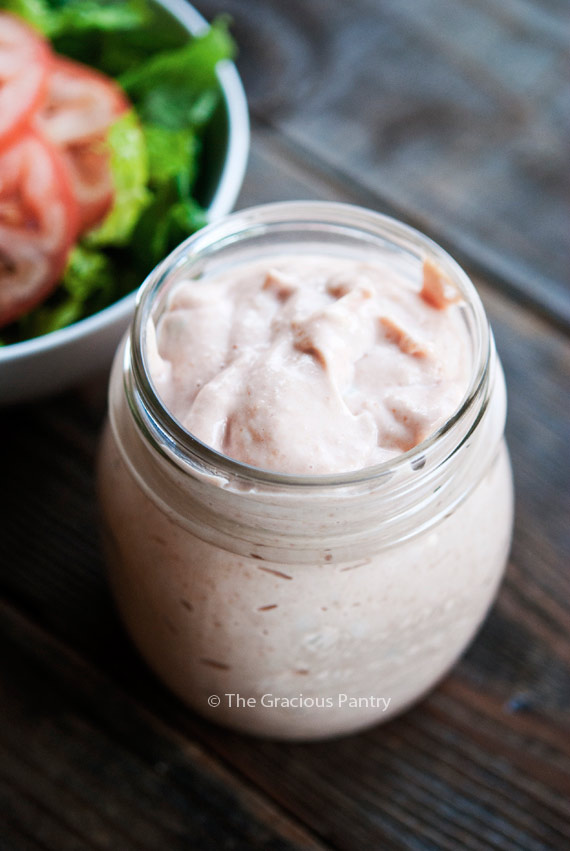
(38, 224)
(75, 116)
(24, 63)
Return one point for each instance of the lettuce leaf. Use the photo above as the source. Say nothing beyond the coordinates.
(36, 12)
(171, 154)
(179, 89)
(156, 148)
(88, 284)
(129, 169)
(88, 275)
(75, 16)
(165, 223)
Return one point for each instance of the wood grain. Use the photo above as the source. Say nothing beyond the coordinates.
(482, 764)
(82, 766)
(454, 114)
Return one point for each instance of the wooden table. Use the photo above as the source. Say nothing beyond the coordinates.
(453, 115)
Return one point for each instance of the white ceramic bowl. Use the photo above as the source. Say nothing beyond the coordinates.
(51, 363)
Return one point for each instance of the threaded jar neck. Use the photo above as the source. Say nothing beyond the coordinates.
(243, 507)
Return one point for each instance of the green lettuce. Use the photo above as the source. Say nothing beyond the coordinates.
(178, 89)
(129, 170)
(156, 148)
(165, 224)
(38, 13)
(70, 17)
(88, 284)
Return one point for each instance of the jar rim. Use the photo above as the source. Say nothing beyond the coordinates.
(178, 445)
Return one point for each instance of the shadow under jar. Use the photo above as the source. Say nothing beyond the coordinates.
(311, 606)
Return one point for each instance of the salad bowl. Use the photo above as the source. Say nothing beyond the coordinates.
(55, 361)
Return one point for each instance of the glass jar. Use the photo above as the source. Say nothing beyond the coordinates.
(302, 607)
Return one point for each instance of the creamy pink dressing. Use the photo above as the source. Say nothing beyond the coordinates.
(312, 364)
(307, 364)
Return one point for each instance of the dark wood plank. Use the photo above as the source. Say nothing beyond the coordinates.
(83, 767)
(450, 774)
(453, 114)
(482, 764)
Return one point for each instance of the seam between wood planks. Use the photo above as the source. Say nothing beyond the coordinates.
(473, 254)
(261, 808)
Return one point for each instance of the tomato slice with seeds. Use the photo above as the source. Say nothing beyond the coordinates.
(24, 64)
(79, 107)
(38, 224)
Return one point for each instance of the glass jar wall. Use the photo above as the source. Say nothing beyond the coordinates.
(302, 606)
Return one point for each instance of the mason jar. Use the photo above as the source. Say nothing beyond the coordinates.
(302, 607)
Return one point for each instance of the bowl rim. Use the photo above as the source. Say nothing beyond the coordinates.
(222, 202)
